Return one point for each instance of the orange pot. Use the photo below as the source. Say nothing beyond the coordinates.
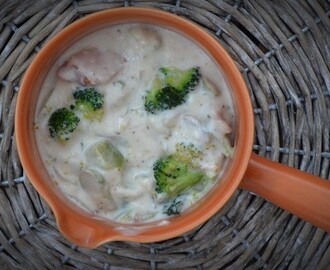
(302, 194)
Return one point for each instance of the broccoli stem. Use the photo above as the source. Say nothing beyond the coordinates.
(184, 182)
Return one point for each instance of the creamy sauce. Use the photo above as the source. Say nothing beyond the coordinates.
(204, 120)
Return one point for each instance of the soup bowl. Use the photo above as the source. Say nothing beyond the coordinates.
(302, 194)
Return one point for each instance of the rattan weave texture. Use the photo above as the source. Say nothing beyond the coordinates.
(283, 50)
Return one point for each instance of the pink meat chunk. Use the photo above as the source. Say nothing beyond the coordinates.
(91, 67)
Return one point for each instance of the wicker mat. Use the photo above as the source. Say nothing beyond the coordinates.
(283, 50)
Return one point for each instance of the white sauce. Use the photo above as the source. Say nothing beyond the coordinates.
(141, 137)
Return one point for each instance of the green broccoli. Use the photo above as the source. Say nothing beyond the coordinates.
(188, 154)
(62, 123)
(170, 89)
(174, 207)
(183, 81)
(178, 172)
(165, 98)
(90, 102)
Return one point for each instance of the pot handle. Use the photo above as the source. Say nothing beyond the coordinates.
(300, 193)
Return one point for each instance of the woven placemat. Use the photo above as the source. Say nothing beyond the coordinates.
(283, 50)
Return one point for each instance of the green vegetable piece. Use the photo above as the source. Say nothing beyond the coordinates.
(62, 123)
(90, 102)
(104, 156)
(170, 89)
(182, 80)
(163, 99)
(188, 154)
(173, 208)
(178, 172)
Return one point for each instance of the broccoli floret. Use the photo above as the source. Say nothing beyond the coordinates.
(62, 123)
(160, 99)
(174, 207)
(188, 154)
(183, 81)
(177, 172)
(173, 177)
(170, 89)
(90, 102)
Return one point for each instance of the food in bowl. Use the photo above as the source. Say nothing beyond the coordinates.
(134, 123)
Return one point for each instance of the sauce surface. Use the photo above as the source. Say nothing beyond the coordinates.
(136, 53)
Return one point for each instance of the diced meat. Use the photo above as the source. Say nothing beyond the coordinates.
(218, 127)
(91, 67)
(149, 40)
